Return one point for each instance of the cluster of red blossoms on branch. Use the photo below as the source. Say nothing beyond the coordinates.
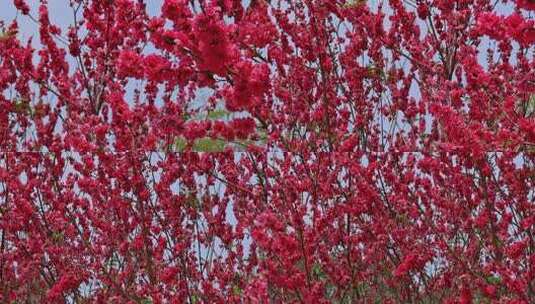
(268, 151)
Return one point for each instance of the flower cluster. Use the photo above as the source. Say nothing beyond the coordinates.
(512, 27)
(274, 151)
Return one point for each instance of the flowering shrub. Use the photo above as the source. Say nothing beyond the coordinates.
(311, 151)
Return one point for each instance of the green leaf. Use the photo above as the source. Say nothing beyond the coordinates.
(22, 106)
(192, 201)
(57, 236)
(316, 270)
(4, 35)
(494, 280)
(146, 301)
(262, 135)
(180, 145)
(218, 114)
(530, 107)
(209, 145)
(243, 144)
(236, 290)
(354, 3)
(374, 71)
(205, 144)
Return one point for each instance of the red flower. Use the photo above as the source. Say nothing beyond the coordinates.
(177, 11)
(243, 127)
(129, 64)
(215, 51)
(156, 68)
(397, 159)
(423, 11)
(251, 83)
(490, 24)
(22, 6)
(520, 29)
(526, 4)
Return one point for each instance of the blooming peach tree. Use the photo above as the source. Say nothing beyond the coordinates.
(268, 151)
